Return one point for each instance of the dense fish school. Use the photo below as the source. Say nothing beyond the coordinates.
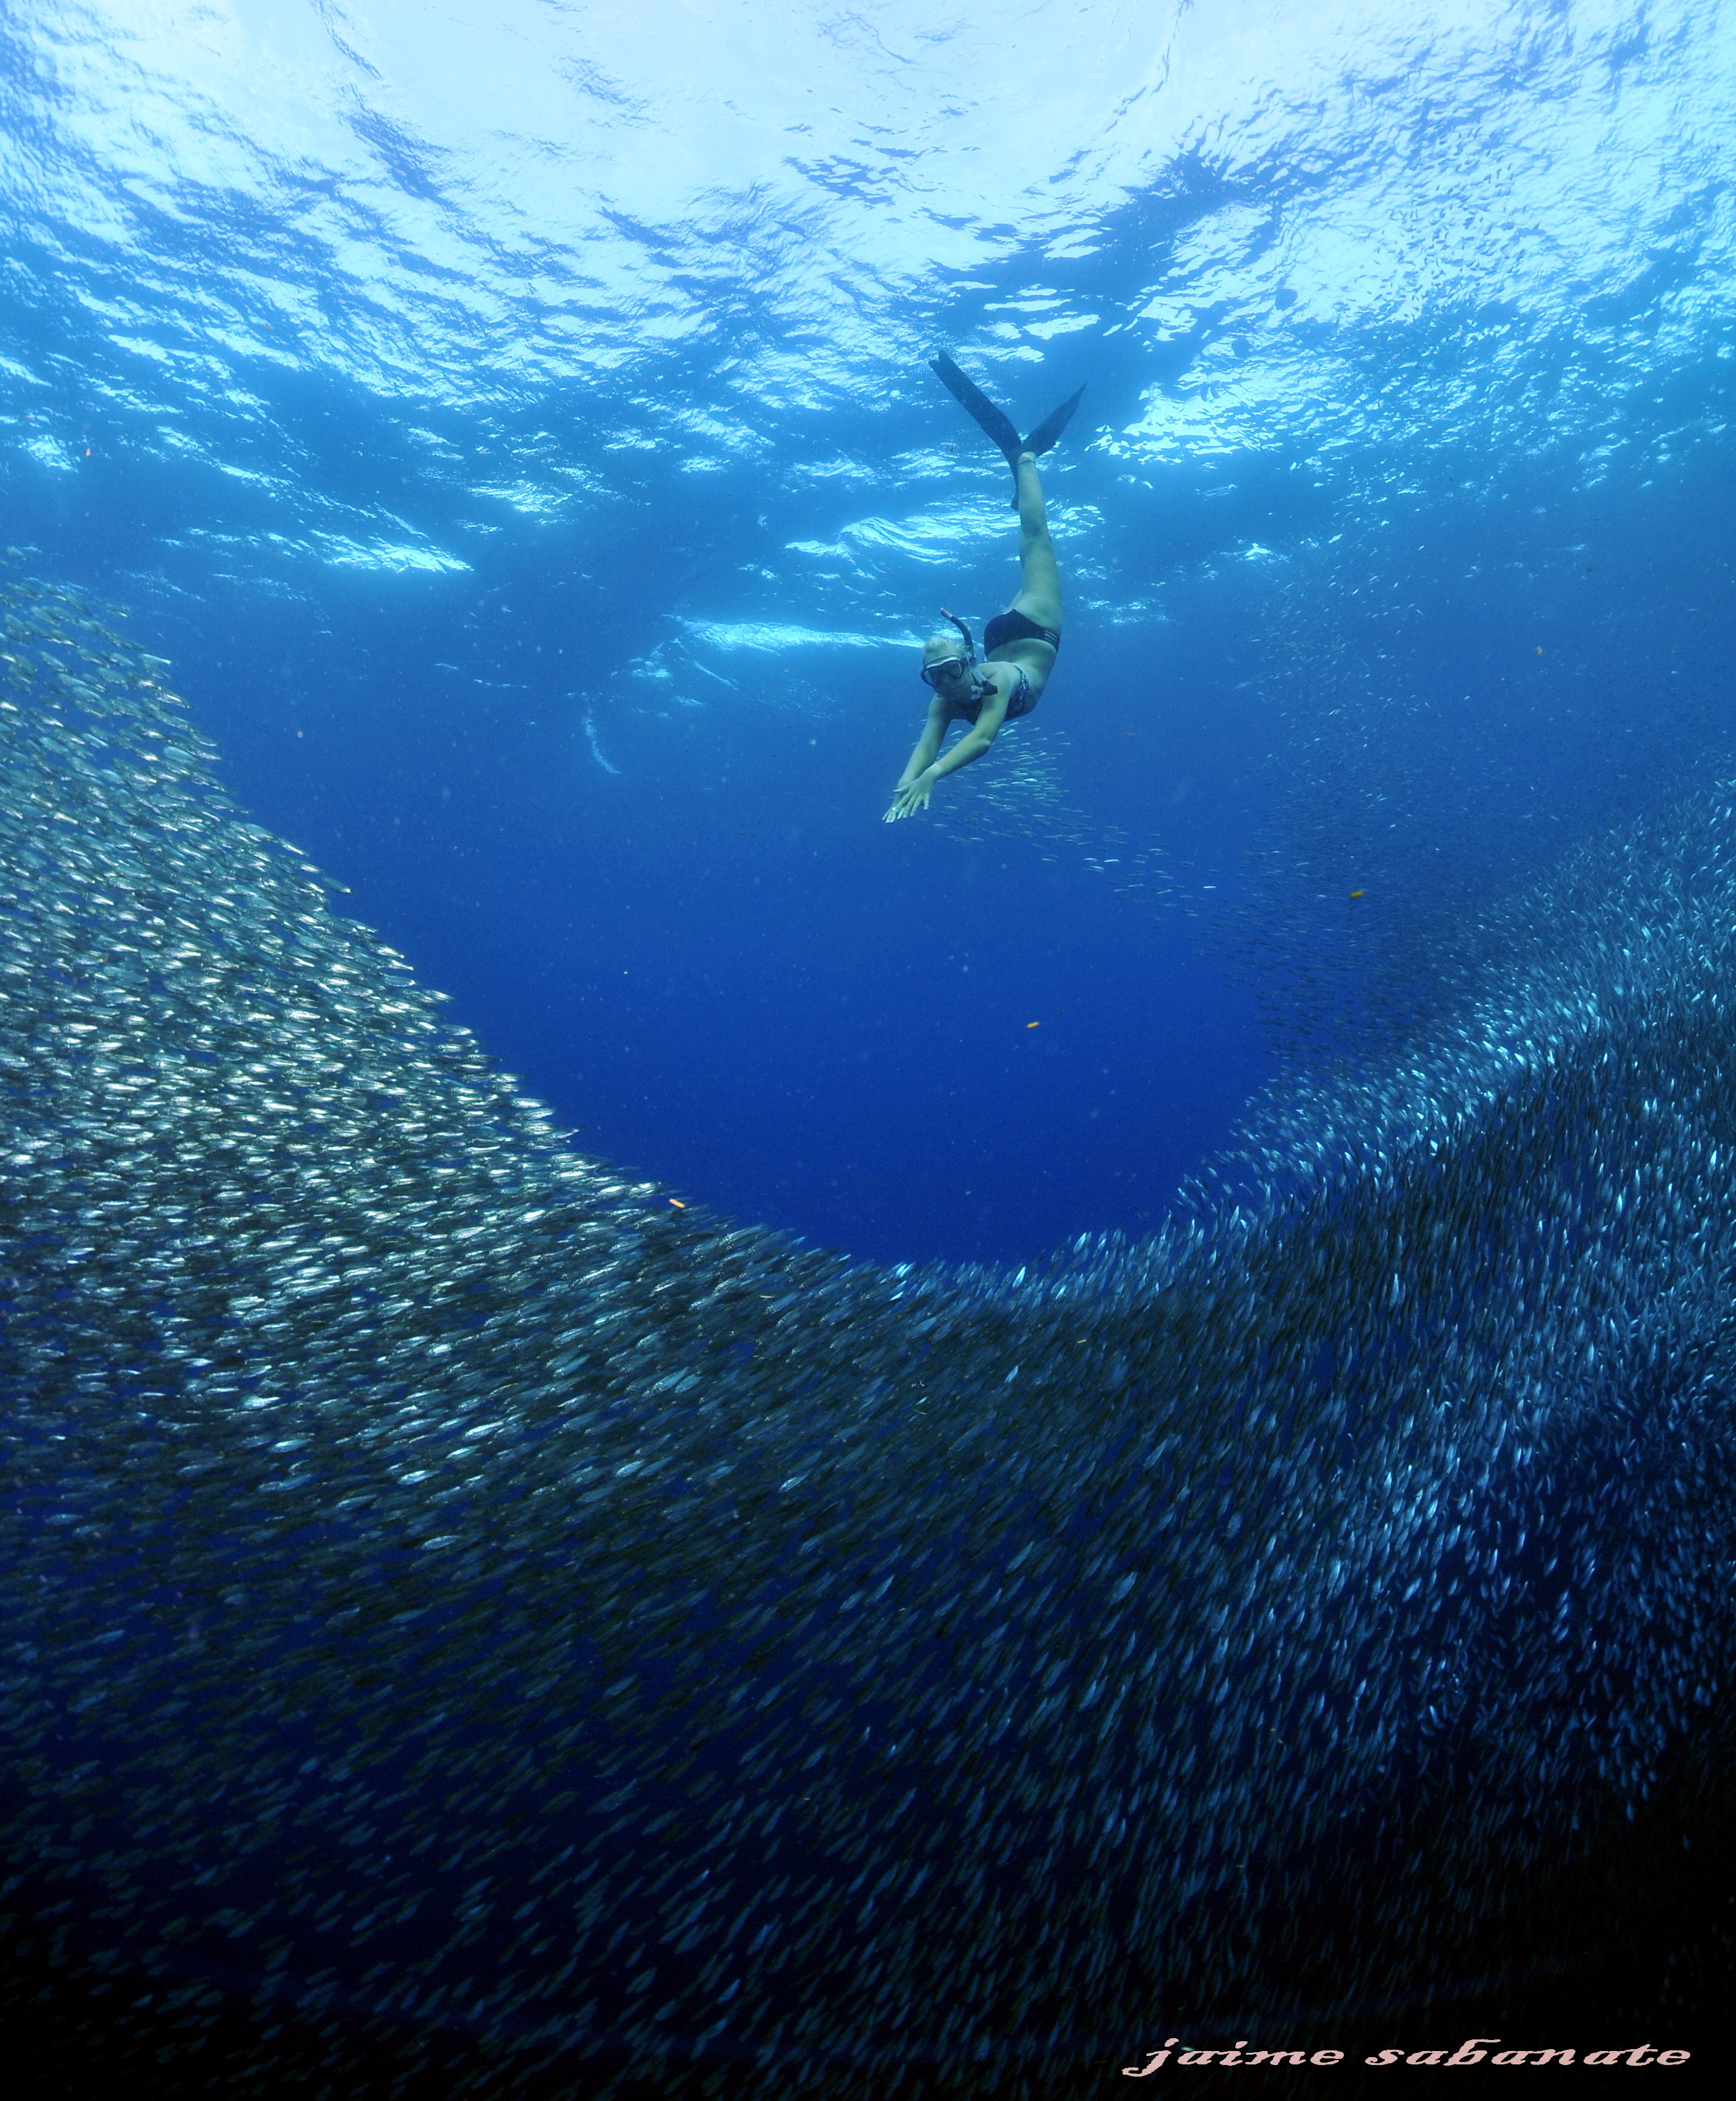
(457, 1604)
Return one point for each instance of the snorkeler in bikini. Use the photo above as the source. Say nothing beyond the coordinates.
(1019, 646)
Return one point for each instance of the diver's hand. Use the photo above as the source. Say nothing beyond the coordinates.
(911, 796)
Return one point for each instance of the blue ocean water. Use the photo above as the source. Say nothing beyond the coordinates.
(512, 424)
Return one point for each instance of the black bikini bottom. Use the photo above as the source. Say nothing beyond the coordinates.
(1010, 626)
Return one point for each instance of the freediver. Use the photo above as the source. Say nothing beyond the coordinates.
(1018, 645)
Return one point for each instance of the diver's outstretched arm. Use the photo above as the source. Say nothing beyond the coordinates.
(908, 797)
(918, 784)
(933, 735)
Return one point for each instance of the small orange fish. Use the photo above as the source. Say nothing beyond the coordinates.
(1358, 893)
(1033, 1025)
(678, 1203)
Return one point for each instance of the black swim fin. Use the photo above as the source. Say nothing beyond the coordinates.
(1053, 425)
(1000, 428)
(976, 403)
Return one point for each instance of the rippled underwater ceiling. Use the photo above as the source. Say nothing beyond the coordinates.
(702, 232)
(482, 1623)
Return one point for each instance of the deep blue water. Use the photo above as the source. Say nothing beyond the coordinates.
(421, 429)
(512, 423)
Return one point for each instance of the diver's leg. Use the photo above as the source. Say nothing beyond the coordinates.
(1040, 597)
(976, 403)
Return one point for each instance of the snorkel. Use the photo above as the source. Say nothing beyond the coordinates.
(970, 641)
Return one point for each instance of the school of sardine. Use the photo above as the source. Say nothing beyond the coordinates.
(452, 1591)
